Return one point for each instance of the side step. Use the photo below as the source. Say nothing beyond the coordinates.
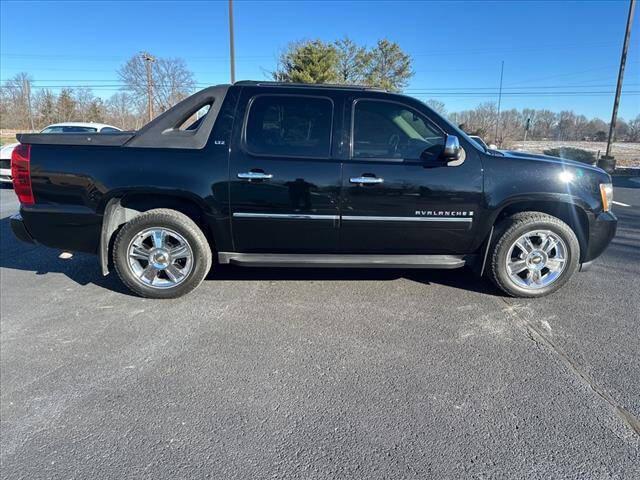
(341, 261)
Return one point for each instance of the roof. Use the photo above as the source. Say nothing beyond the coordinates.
(97, 126)
(258, 83)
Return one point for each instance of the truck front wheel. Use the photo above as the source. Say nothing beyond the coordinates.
(534, 255)
(161, 253)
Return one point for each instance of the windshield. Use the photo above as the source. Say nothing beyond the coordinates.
(69, 129)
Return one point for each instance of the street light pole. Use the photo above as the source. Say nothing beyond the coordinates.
(499, 102)
(232, 53)
(616, 102)
(149, 59)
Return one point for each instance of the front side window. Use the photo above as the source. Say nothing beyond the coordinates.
(293, 126)
(389, 130)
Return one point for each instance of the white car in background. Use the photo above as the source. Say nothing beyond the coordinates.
(68, 127)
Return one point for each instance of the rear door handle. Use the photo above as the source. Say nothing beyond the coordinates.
(255, 176)
(367, 180)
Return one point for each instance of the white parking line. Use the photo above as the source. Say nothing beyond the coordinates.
(620, 203)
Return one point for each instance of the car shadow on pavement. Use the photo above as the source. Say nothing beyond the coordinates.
(462, 278)
(83, 269)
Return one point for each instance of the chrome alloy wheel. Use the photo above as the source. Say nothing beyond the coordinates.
(160, 258)
(536, 259)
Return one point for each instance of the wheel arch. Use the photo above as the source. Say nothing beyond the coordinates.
(570, 213)
(123, 207)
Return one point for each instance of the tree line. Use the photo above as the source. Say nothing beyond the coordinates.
(383, 65)
(538, 125)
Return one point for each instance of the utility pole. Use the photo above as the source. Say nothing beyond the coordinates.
(608, 162)
(232, 51)
(499, 102)
(149, 59)
(26, 88)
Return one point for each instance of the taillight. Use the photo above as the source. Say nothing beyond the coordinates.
(21, 173)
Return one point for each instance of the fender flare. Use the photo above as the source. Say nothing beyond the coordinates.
(114, 216)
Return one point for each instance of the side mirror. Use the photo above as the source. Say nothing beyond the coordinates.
(452, 149)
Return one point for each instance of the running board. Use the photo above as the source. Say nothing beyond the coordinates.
(341, 261)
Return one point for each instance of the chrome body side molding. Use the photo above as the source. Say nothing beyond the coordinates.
(302, 216)
(406, 219)
(366, 218)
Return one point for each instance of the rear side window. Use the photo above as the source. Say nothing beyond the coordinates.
(292, 126)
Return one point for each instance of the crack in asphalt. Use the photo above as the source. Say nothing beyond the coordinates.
(538, 336)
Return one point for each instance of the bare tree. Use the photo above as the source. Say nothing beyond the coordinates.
(84, 98)
(437, 106)
(633, 131)
(17, 95)
(171, 82)
(45, 108)
(544, 124)
(479, 121)
(123, 112)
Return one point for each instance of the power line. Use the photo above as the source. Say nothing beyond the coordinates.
(489, 49)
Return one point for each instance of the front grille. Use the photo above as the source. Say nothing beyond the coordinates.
(5, 163)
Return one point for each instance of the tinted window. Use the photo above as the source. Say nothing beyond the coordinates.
(290, 125)
(196, 118)
(68, 129)
(389, 130)
(109, 130)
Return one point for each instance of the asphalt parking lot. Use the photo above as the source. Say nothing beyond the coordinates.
(319, 374)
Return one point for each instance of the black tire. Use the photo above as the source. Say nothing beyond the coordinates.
(169, 220)
(509, 231)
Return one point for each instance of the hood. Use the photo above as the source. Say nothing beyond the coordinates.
(549, 159)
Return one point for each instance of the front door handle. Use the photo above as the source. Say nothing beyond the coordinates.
(255, 176)
(367, 180)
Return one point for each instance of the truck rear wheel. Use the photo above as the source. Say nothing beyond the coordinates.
(161, 253)
(535, 255)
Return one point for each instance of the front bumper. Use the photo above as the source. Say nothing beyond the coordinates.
(602, 229)
(20, 230)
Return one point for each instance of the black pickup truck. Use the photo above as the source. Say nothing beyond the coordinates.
(287, 175)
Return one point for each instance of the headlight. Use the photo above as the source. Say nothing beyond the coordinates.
(606, 192)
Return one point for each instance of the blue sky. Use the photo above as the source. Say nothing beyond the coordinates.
(558, 55)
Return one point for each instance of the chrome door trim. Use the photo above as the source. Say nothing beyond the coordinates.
(368, 180)
(294, 216)
(304, 216)
(255, 175)
(407, 219)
